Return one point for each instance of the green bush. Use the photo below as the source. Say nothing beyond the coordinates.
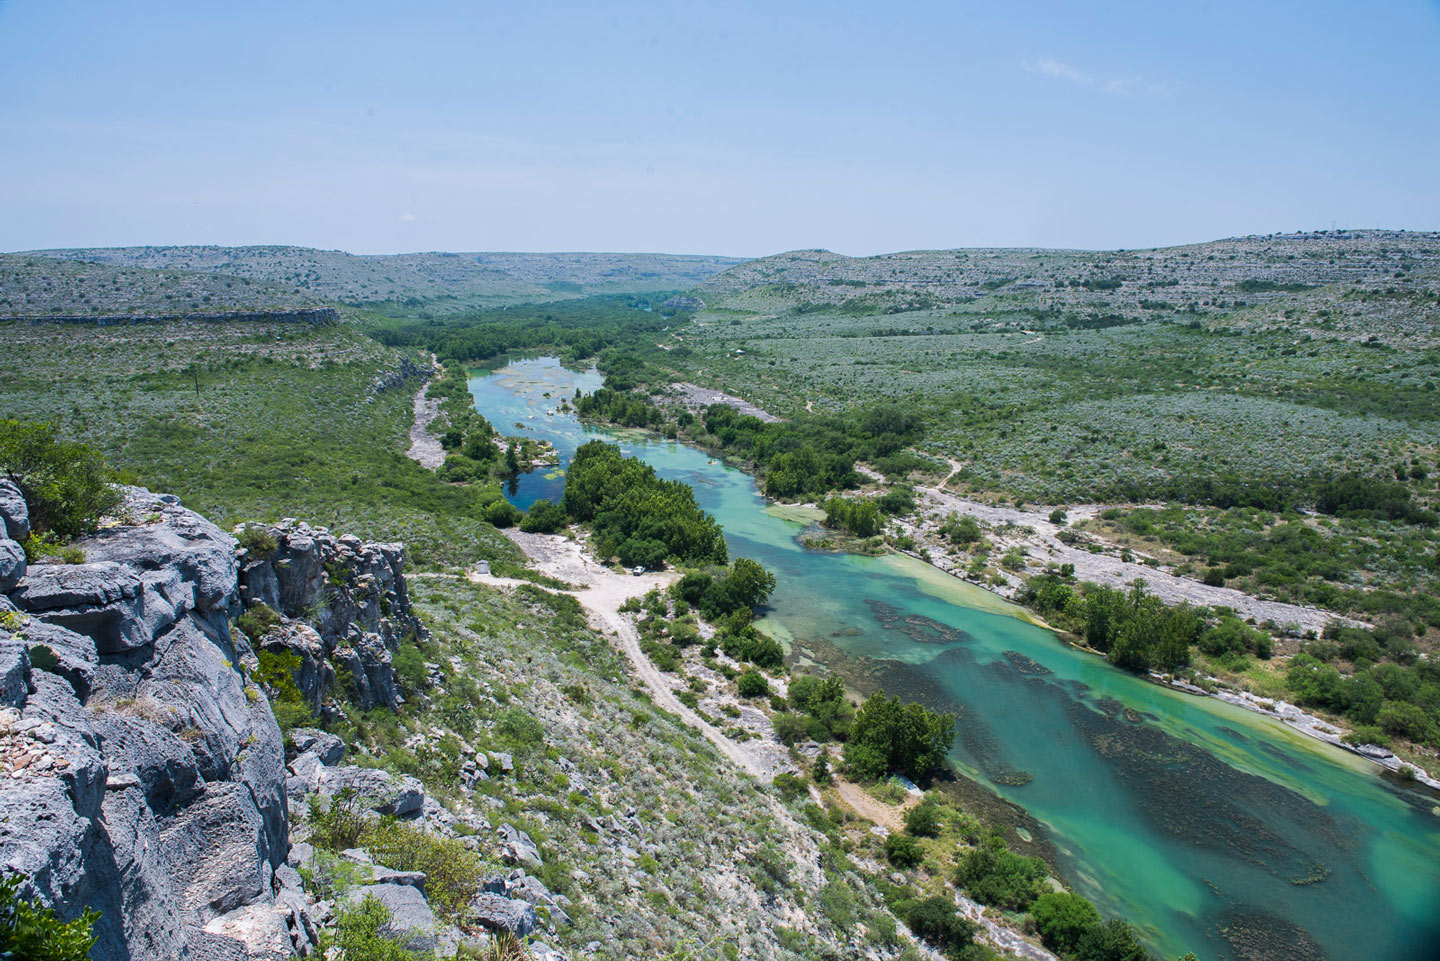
(258, 620)
(66, 486)
(935, 920)
(923, 820)
(1062, 919)
(752, 684)
(258, 540)
(29, 932)
(362, 933)
(903, 851)
(890, 736)
(501, 513)
(544, 517)
(993, 874)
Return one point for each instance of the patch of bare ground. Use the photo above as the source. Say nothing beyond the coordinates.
(601, 591)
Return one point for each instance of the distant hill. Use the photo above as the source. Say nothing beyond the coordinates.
(1345, 283)
(301, 274)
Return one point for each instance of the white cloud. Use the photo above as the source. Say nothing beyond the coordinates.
(408, 218)
(1114, 86)
(1054, 68)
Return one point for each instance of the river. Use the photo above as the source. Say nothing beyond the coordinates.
(1212, 829)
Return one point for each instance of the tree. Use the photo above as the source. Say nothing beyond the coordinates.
(903, 851)
(543, 517)
(936, 920)
(1114, 940)
(993, 874)
(752, 684)
(1062, 918)
(66, 486)
(905, 738)
(923, 820)
(749, 583)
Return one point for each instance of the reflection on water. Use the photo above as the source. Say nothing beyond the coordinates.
(1211, 828)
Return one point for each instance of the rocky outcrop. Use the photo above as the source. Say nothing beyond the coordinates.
(14, 528)
(345, 604)
(403, 372)
(141, 772)
(316, 316)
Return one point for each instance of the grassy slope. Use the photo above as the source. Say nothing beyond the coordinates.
(285, 423)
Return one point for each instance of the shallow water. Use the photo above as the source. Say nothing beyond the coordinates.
(1211, 828)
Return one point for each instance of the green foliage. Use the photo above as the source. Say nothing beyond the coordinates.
(258, 541)
(923, 820)
(1113, 940)
(543, 517)
(752, 684)
(30, 932)
(276, 672)
(258, 620)
(66, 486)
(362, 933)
(822, 702)
(519, 730)
(889, 736)
(501, 513)
(789, 786)
(859, 516)
(632, 510)
(452, 870)
(936, 920)
(992, 874)
(903, 851)
(1062, 919)
(410, 668)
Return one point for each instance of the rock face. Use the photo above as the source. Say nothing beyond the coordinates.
(345, 605)
(141, 772)
(14, 528)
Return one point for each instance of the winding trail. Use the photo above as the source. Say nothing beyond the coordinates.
(601, 591)
(425, 448)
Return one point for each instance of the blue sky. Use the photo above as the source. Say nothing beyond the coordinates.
(708, 127)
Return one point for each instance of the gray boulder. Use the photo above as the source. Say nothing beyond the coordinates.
(380, 791)
(499, 913)
(164, 766)
(517, 848)
(411, 920)
(14, 671)
(118, 607)
(12, 564)
(75, 657)
(14, 514)
(326, 747)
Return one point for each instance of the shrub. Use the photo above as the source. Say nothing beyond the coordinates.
(903, 851)
(409, 666)
(890, 736)
(752, 684)
(788, 786)
(29, 931)
(501, 513)
(544, 517)
(935, 920)
(1062, 919)
(258, 540)
(992, 874)
(66, 486)
(519, 730)
(363, 933)
(258, 620)
(1113, 940)
(923, 820)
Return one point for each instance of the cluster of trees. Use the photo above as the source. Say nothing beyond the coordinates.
(619, 407)
(889, 736)
(576, 328)
(816, 710)
(636, 515)
(1340, 495)
(744, 587)
(1383, 699)
(860, 516)
(807, 457)
(1137, 631)
(66, 486)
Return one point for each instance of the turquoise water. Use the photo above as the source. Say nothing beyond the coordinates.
(1195, 819)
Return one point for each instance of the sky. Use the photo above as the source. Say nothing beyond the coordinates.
(731, 127)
